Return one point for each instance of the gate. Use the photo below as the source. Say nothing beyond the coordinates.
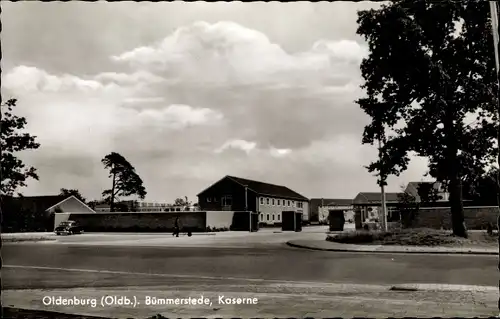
(337, 220)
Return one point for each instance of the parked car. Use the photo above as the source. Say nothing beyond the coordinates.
(68, 227)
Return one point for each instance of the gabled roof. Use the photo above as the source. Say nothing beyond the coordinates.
(375, 198)
(264, 189)
(413, 187)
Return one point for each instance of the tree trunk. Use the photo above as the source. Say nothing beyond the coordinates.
(455, 180)
(456, 205)
(112, 201)
(455, 188)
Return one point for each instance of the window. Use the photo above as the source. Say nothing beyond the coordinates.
(227, 200)
(279, 215)
(293, 203)
(267, 201)
(273, 217)
(288, 203)
(209, 199)
(261, 216)
(279, 203)
(267, 216)
(273, 201)
(300, 205)
(262, 201)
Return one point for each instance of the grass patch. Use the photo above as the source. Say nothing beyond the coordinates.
(414, 237)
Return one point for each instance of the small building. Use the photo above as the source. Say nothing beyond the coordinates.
(319, 209)
(36, 213)
(414, 189)
(367, 207)
(239, 194)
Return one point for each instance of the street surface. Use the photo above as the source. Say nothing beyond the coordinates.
(286, 281)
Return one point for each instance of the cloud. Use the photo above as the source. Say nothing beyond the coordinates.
(279, 152)
(205, 100)
(242, 145)
(242, 73)
(226, 52)
(31, 79)
(74, 115)
(128, 79)
(179, 116)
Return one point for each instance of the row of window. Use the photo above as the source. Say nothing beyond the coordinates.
(280, 202)
(273, 215)
(153, 209)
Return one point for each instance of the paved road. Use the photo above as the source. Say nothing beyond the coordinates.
(268, 268)
(273, 261)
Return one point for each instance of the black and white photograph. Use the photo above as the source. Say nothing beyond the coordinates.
(250, 159)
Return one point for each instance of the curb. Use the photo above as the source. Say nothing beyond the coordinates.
(23, 240)
(487, 253)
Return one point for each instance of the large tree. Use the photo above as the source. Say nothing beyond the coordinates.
(483, 190)
(72, 192)
(430, 90)
(14, 172)
(125, 180)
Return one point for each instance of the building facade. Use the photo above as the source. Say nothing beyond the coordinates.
(367, 207)
(415, 189)
(239, 194)
(320, 209)
(270, 208)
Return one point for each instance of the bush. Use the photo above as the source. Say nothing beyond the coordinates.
(408, 237)
(358, 237)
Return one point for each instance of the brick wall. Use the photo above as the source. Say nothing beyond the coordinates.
(220, 219)
(157, 222)
(437, 217)
(136, 222)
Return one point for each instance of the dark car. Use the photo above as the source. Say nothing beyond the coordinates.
(68, 227)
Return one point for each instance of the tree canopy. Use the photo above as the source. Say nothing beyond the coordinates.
(182, 201)
(14, 172)
(72, 192)
(430, 90)
(125, 180)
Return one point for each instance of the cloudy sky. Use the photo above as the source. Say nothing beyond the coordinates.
(190, 92)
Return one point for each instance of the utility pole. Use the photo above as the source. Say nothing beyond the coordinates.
(382, 187)
(496, 43)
